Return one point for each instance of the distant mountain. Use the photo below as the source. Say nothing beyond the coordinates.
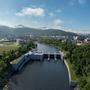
(88, 35)
(21, 30)
(5, 31)
(39, 32)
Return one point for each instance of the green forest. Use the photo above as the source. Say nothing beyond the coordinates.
(78, 58)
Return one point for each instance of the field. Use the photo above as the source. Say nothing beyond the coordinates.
(7, 46)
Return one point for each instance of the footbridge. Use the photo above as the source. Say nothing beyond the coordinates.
(34, 56)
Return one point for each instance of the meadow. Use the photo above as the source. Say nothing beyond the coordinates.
(7, 46)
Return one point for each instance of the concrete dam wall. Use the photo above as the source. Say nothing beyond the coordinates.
(32, 56)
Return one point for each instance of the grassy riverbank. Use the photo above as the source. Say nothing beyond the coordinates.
(72, 72)
(70, 66)
(78, 59)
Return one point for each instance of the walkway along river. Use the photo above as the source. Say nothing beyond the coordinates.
(44, 75)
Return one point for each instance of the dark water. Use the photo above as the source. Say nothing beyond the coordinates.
(46, 75)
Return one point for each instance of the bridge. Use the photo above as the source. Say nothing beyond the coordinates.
(34, 56)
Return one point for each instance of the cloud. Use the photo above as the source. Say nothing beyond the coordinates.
(57, 24)
(31, 12)
(55, 12)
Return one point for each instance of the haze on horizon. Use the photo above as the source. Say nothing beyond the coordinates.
(68, 15)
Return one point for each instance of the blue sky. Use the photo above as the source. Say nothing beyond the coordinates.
(69, 15)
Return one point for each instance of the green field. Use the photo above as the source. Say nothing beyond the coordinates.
(7, 46)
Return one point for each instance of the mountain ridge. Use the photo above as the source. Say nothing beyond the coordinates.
(21, 30)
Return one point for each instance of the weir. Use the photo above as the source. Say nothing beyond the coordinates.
(33, 56)
(51, 56)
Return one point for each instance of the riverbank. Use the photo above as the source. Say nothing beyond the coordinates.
(72, 76)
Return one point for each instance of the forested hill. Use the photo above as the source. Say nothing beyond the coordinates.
(20, 31)
(5, 31)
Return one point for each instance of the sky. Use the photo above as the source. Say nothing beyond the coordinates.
(68, 15)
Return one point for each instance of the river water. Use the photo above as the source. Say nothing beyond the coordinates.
(46, 75)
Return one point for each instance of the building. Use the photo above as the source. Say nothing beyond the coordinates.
(87, 41)
(20, 41)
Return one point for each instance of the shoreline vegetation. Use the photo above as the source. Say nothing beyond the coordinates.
(73, 76)
(78, 60)
(6, 69)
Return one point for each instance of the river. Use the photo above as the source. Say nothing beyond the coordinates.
(46, 75)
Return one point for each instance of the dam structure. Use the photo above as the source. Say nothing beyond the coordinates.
(34, 56)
